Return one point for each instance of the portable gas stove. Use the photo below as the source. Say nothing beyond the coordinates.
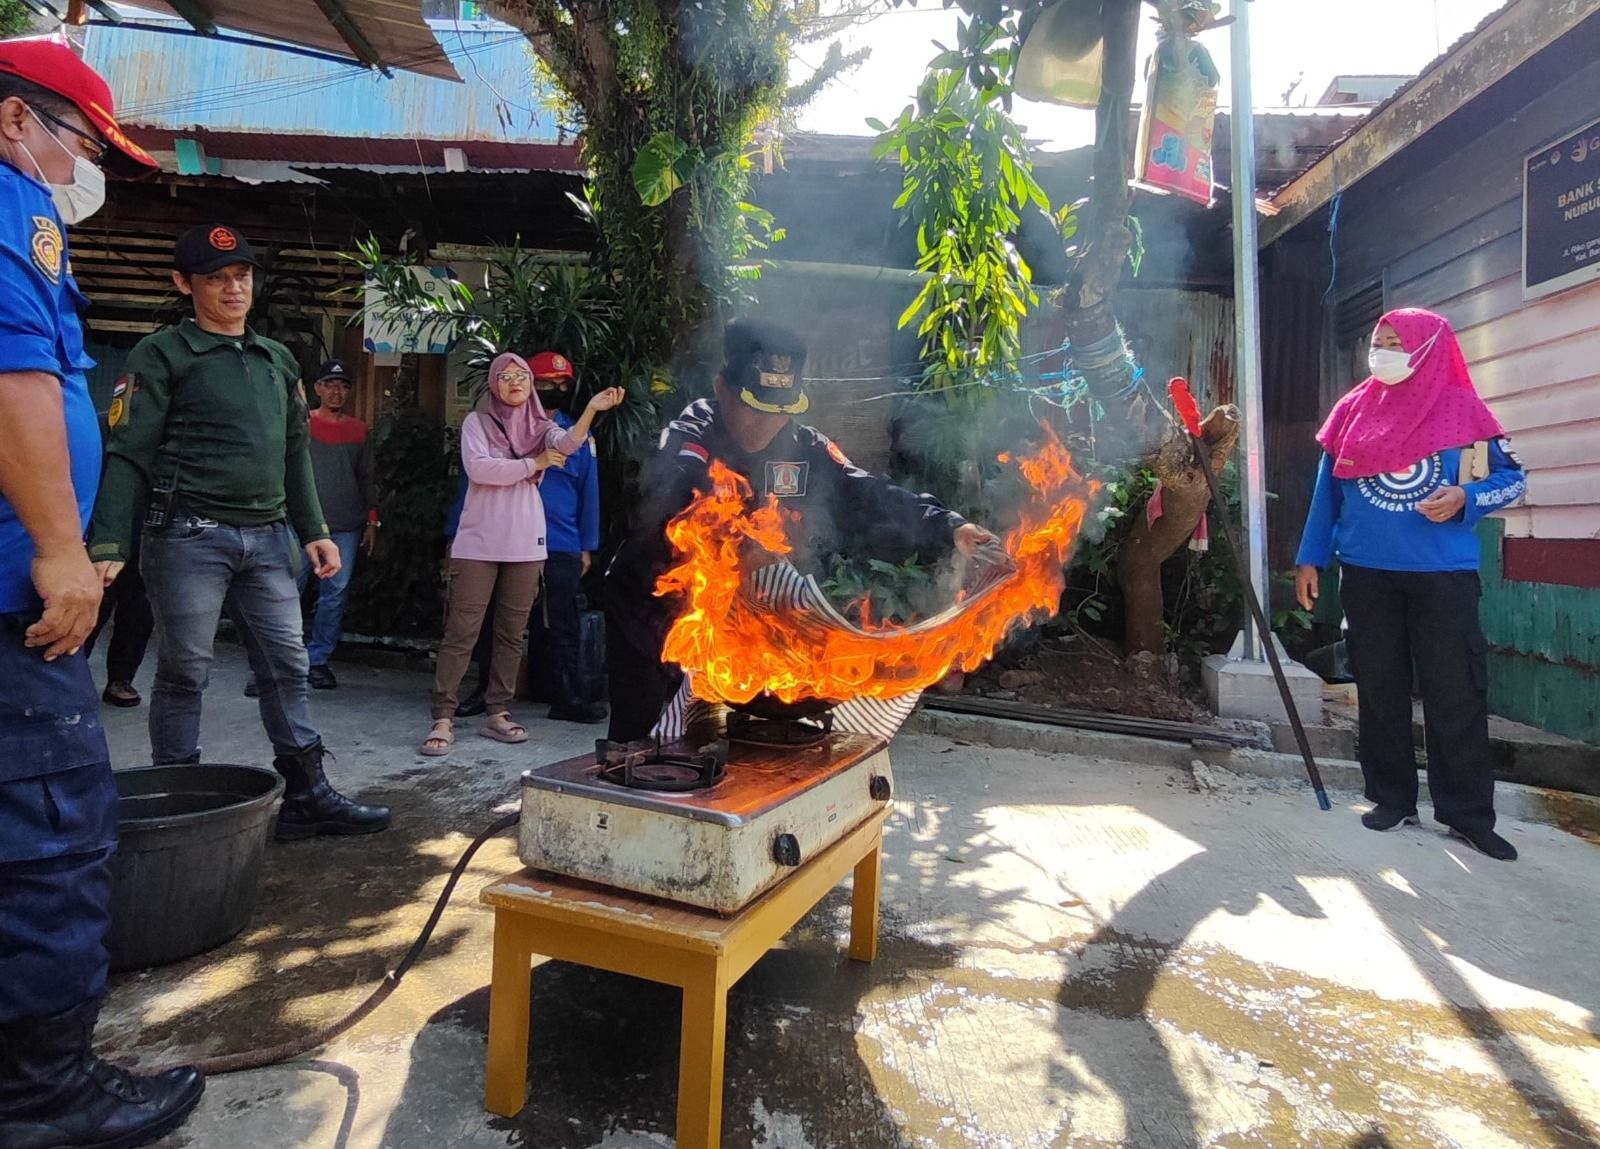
(712, 826)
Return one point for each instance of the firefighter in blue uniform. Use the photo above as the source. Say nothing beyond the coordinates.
(750, 427)
(58, 803)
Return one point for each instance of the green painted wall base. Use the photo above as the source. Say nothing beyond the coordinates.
(1544, 648)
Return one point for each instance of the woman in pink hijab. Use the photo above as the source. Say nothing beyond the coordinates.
(506, 446)
(1413, 460)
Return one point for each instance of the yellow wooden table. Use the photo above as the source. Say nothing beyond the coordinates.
(699, 951)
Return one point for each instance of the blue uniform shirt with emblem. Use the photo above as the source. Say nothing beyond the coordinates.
(40, 331)
(1373, 521)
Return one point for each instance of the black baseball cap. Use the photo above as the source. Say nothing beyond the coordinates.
(333, 369)
(764, 363)
(209, 247)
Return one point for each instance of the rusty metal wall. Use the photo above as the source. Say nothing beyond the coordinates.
(1172, 332)
(854, 354)
(857, 355)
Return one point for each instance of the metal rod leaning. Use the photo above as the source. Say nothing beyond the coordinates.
(1189, 413)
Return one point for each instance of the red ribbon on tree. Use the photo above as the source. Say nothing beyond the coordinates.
(1183, 403)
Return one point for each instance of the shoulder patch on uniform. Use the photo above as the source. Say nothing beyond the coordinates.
(838, 455)
(122, 393)
(694, 451)
(46, 247)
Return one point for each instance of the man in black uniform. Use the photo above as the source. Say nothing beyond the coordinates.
(749, 426)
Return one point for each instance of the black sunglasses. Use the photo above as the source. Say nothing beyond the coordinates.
(99, 145)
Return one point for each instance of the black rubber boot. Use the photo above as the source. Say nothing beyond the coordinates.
(569, 707)
(311, 806)
(56, 1094)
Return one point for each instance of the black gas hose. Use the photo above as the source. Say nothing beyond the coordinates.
(273, 1054)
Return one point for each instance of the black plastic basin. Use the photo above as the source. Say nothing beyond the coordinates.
(186, 875)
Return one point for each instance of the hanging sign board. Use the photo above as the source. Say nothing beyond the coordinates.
(1561, 214)
(1178, 120)
(388, 334)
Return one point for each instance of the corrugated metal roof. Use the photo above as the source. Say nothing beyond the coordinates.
(1564, 13)
(394, 29)
(184, 82)
(308, 150)
(248, 171)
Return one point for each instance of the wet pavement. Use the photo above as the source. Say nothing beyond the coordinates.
(1076, 953)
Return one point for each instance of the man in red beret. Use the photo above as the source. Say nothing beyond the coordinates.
(58, 802)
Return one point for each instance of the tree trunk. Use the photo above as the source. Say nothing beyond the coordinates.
(1134, 432)
(1090, 319)
(1184, 498)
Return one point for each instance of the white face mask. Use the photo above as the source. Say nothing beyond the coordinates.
(1389, 366)
(85, 195)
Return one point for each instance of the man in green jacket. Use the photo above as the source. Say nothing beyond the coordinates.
(209, 438)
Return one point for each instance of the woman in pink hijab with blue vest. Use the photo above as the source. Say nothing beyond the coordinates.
(499, 549)
(1414, 459)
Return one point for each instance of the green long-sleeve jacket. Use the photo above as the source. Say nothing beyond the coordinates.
(224, 418)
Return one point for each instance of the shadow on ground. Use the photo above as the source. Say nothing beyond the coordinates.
(1074, 954)
(1347, 1062)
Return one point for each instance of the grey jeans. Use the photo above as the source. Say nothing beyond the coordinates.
(194, 570)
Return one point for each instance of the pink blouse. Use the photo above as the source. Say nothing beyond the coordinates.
(503, 518)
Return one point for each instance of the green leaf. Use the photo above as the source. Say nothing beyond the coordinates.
(658, 171)
(910, 313)
(876, 124)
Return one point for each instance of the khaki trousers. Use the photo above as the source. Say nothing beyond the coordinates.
(472, 582)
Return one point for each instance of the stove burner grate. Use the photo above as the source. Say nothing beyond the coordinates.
(646, 766)
(756, 730)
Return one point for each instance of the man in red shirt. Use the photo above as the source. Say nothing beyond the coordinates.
(341, 459)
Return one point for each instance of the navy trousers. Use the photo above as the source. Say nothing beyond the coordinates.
(58, 828)
(562, 574)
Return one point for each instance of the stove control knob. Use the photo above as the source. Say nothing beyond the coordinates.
(880, 788)
(786, 850)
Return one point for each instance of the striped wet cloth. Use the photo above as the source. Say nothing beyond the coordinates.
(779, 587)
(881, 717)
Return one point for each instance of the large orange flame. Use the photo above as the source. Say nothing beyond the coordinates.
(736, 648)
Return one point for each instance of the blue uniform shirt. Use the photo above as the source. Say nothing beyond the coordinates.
(1373, 521)
(571, 495)
(40, 331)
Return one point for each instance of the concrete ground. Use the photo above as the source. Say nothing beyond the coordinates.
(1077, 952)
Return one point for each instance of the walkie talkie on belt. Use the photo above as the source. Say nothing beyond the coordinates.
(158, 510)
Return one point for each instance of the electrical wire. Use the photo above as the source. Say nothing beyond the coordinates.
(484, 80)
(1333, 244)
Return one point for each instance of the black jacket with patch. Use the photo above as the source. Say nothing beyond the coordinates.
(840, 508)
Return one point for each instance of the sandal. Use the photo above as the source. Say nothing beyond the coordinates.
(501, 728)
(439, 740)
